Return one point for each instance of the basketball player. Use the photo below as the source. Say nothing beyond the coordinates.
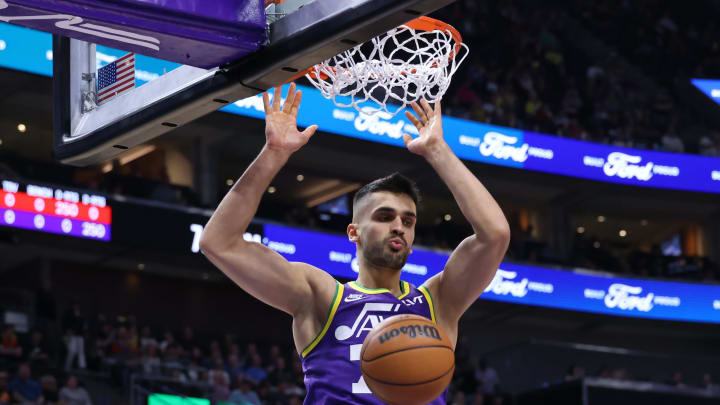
(330, 320)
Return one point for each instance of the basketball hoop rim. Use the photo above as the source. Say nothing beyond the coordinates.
(422, 23)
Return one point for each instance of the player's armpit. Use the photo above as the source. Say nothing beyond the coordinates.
(469, 270)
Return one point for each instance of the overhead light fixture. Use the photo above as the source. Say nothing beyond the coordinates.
(596, 245)
(601, 218)
(107, 167)
(622, 233)
(300, 177)
(447, 217)
(21, 128)
(141, 266)
(272, 189)
(644, 222)
(229, 182)
(580, 229)
(0, 141)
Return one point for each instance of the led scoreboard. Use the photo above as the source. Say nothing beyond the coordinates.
(54, 210)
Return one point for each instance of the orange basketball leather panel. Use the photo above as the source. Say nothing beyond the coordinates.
(409, 394)
(413, 366)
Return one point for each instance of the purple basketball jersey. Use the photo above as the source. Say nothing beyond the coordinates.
(331, 362)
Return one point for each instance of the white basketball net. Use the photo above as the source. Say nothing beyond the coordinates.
(399, 67)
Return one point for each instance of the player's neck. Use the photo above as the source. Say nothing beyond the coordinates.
(376, 278)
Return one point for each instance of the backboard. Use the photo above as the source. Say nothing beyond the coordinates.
(232, 58)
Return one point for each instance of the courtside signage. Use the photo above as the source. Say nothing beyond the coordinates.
(31, 51)
(513, 283)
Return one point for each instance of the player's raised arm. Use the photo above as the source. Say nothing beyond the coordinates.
(472, 265)
(290, 287)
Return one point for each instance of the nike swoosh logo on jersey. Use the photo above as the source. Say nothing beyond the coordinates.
(354, 297)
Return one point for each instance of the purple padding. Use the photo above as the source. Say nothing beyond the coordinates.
(52, 224)
(193, 32)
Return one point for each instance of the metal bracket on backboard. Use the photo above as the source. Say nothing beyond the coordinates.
(277, 11)
(314, 32)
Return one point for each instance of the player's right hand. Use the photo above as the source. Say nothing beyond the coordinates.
(281, 133)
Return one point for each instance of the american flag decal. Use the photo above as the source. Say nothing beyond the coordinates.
(116, 78)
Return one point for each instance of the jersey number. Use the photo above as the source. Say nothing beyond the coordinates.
(359, 387)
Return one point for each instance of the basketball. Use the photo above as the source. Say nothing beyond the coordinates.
(407, 359)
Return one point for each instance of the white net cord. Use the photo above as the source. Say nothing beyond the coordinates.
(399, 67)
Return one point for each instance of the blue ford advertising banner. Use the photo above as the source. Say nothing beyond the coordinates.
(31, 51)
(513, 283)
(711, 88)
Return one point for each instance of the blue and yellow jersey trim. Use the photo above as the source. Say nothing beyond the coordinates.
(431, 303)
(339, 288)
(404, 289)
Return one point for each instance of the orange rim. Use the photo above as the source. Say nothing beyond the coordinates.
(419, 24)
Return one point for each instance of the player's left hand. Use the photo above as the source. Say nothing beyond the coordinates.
(429, 125)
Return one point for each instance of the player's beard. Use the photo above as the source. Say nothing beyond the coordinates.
(381, 255)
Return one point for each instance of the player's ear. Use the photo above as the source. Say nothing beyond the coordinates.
(353, 232)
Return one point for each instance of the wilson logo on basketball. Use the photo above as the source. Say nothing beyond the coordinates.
(412, 331)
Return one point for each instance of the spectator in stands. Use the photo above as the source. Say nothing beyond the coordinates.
(133, 339)
(147, 338)
(487, 377)
(219, 369)
(49, 387)
(234, 367)
(255, 372)
(290, 389)
(36, 350)
(215, 351)
(221, 391)
(243, 393)
(73, 394)
(171, 358)
(121, 345)
(279, 371)
(250, 351)
(10, 346)
(234, 350)
(151, 362)
(74, 325)
(198, 358)
(707, 384)
(4, 390)
(24, 389)
(677, 380)
(671, 142)
(229, 342)
(706, 146)
(167, 342)
(188, 339)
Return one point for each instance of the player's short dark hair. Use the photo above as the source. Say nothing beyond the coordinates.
(394, 183)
